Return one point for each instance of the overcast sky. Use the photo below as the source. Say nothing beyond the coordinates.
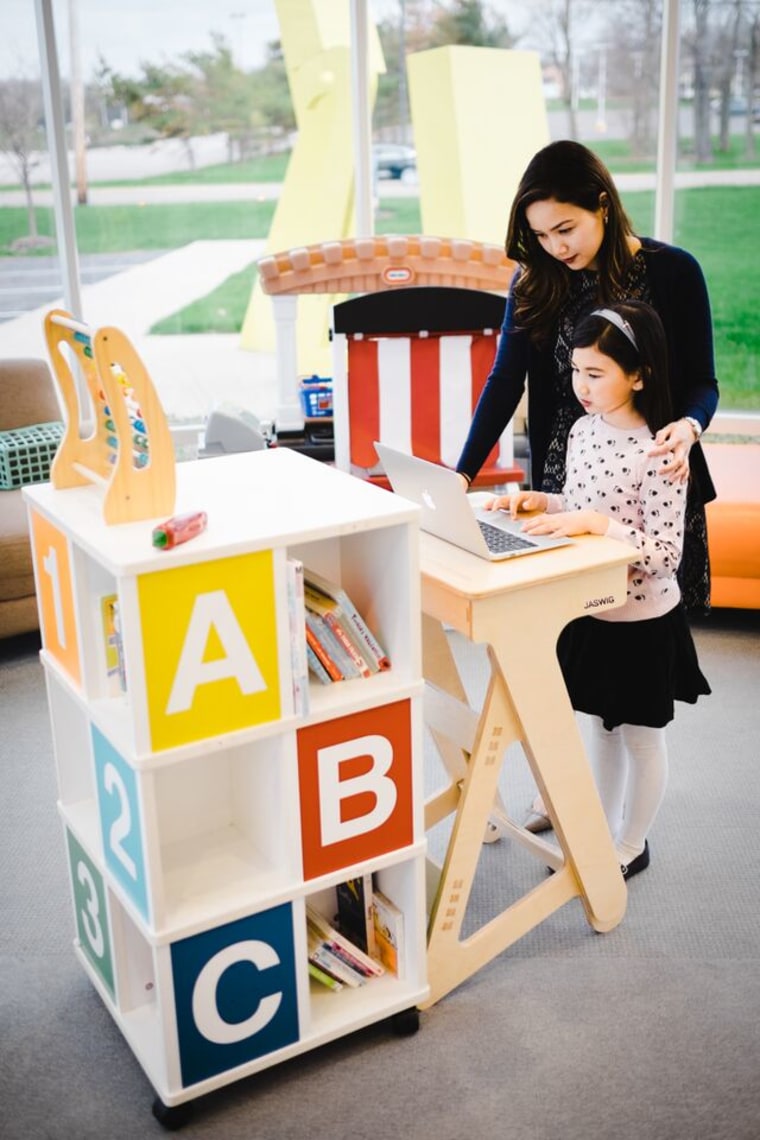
(125, 32)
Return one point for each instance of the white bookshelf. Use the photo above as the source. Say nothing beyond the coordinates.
(200, 810)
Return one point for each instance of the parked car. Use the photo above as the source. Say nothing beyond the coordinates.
(392, 160)
(737, 105)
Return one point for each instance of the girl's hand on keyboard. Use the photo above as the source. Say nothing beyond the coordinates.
(519, 501)
(567, 524)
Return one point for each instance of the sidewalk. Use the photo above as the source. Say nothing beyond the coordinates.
(192, 374)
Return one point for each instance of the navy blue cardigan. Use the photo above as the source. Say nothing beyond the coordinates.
(679, 294)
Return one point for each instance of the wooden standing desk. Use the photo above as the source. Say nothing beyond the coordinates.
(517, 608)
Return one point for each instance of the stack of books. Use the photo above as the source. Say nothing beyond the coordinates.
(335, 956)
(339, 643)
(366, 940)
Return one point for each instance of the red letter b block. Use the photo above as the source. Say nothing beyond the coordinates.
(355, 782)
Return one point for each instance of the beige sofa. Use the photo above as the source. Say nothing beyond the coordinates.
(27, 397)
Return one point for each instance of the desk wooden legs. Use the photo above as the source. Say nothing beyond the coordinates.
(472, 749)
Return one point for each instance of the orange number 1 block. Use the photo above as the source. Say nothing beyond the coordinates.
(55, 593)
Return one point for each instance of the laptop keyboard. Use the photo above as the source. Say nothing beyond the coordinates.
(498, 541)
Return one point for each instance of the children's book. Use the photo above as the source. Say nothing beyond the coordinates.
(332, 615)
(332, 644)
(355, 915)
(112, 642)
(341, 946)
(297, 620)
(315, 644)
(325, 959)
(316, 667)
(324, 978)
(389, 933)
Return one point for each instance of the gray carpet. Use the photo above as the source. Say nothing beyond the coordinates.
(650, 1031)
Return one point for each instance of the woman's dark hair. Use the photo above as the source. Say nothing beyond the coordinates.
(649, 356)
(570, 173)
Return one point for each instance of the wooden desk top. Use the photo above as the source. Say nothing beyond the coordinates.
(471, 594)
(473, 578)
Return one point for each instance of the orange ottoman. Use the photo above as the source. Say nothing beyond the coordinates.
(733, 524)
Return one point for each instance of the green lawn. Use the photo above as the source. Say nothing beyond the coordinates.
(719, 226)
(112, 229)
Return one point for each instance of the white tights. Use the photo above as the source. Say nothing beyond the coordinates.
(631, 768)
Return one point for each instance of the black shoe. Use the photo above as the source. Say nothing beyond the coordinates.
(640, 863)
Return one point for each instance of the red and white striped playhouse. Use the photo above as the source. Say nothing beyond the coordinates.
(411, 348)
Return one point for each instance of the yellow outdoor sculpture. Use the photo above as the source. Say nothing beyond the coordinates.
(479, 116)
(317, 198)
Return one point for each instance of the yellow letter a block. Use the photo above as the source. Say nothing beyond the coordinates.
(209, 634)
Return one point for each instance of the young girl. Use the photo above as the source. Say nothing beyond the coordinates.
(623, 667)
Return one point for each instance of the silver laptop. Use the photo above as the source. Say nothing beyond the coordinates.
(448, 514)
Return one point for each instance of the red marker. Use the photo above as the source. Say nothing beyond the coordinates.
(179, 529)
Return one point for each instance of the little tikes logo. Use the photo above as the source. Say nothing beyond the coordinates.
(398, 275)
(600, 603)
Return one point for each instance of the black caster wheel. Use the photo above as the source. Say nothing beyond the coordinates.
(405, 1023)
(171, 1117)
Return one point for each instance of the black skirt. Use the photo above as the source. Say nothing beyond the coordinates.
(631, 672)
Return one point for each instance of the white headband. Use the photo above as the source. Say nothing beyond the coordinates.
(619, 323)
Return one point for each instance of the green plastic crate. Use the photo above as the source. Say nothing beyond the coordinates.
(26, 454)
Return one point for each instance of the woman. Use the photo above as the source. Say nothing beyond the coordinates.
(576, 251)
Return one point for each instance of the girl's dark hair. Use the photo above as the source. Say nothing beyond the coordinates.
(649, 357)
(570, 173)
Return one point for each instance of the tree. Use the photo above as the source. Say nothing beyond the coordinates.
(222, 93)
(469, 22)
(272, 106)
(753, 75)
(204, 92)
(422, 25)
(726, 40)
(634, 35)
(22, 135)
(165, 99)
(698, 43)
(555, 32)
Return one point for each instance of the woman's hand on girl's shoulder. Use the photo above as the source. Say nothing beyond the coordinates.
(674, 441)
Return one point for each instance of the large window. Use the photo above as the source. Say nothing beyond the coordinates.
(180, 125)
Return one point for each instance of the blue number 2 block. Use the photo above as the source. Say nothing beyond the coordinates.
(235, 993)
(120, 820)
